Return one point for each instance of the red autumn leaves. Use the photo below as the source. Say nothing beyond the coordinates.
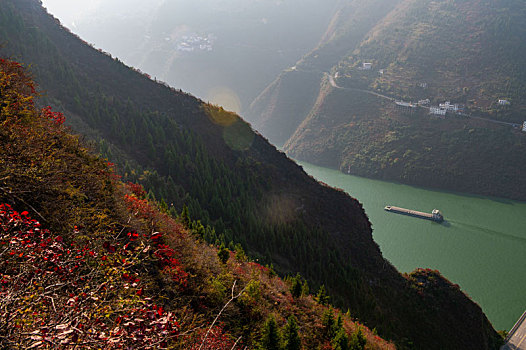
(55, 117)
(60, 294)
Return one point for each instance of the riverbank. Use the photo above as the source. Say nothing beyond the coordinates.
(481, 245)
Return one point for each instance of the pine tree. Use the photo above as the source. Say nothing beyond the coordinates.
(271, 335)
(322, 297)
(163, 206)
(296, 287)
(291, 337)
(340, 341)
(223, 254)
(358, 341)
(240, 253)
(329, 326)
(185, 216)
(305, 288)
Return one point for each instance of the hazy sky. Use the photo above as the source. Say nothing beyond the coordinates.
(69, 11)
(263, 37)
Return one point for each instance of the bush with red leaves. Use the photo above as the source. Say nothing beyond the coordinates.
(54, 294)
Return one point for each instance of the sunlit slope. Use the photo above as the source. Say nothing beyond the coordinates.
(470, 52)
(365, 135)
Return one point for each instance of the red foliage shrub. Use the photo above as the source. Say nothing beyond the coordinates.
(56, 117)
(55, 294)
(216, 339)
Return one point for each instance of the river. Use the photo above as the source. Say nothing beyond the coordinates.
(481, 245)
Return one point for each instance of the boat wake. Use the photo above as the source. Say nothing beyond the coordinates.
(488, 231)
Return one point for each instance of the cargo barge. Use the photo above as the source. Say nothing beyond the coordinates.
(434, 216)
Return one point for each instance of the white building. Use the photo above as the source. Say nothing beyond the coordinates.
(444, 105)
(367, 66)
(405, 107)
(437, 111)
(450, 107)
(524, 126)
(185, 47)
(424, 102)
(504, 102)
(405, 104)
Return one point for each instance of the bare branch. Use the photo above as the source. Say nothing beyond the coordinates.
(23, 201)
(237, 341)
(220, 312)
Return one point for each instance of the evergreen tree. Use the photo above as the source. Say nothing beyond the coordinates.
(321, 296)
(163, 206)
(223, 254)
(185, 216)
(198, 228)
(296, 287)
(358, 340)
(340, 341)
(305, 288)
(151, 196)
(271, 335)
(329, 325)
(291, 337)
(240, 253)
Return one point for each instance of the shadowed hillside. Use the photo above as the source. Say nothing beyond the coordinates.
(90, 262)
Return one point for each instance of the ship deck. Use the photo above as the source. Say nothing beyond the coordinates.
(411, 212)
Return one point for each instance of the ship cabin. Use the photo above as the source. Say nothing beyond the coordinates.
(437, 216)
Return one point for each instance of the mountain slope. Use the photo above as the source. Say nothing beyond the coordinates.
(240, 188)
(479, 63)
(351, 129)
(364, 135)
(282, 106)
(103, 267)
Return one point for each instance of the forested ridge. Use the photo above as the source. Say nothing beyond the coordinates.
(88, 261)
(236, 188)
(159, 135)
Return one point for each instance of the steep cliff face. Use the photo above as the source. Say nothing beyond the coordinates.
(283, 105)
(233, 180)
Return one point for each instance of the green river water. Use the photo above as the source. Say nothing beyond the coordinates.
(481, 245)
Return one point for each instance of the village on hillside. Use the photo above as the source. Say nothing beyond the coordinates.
(443, 109)
(194, 43)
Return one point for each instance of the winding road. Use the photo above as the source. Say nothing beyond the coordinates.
(333, 83)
